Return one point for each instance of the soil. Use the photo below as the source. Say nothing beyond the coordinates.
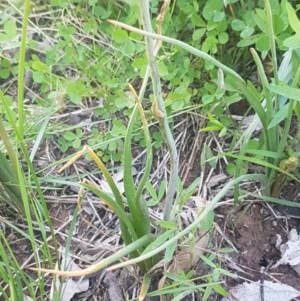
(255, 239)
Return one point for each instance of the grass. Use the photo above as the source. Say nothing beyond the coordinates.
(92, 78)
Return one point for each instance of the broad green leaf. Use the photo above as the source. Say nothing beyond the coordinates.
(218, 16)
(120, 102)
(139, 63)
(231, 168)
(5, 63)
(279, 116)
(208, 12)
(223, 132)
(207, 261)
(76, 143)
(162, 189)
(206, 99)
(177, 105)
(151, 190)
(249, 41)
(40, 66)
(99, 11)
(152, 202)
(129, 47)
(289, 92)
(75, 98)
(210, 45)
(10, 29)
(263, 43)
(211, 8)
(213, 120)
(247, 33)
(69, 136)
(64, 148)
(238, 25)
(170, 252)
(4, 73)
(119, 35)
(79, 132)
(223, 37)
(225, 120)
(198, 34)
(293, 19)
(220, 290)
(278, 25)
(261, 14)
(216, 275)
(292, 42)
(38, 77)
(166, 225)
(219, 94)
(207, 293)
(252, 144)
(162, 69)
(197, 21)
(275, 6)
(172, 97)
(135, 36)
(259, 22)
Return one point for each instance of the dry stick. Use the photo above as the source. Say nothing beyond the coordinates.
(159, 109)
(196, 147)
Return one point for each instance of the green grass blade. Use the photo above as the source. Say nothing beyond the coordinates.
(271, 139)
(262, 163)
(149, 153)
(273, 200)
(289, 92)
(109, 179)
(6, 141)
(270, 29)
(128, 177)
(28, 194)
(10, 185)
(21, 73)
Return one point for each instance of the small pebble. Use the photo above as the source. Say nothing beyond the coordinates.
(73, 119)
(293, 235)
(274, 223)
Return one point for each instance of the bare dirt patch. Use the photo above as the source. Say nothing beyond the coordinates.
(253, 232)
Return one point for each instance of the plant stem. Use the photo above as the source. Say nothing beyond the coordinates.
(164, 125)
(22, 69)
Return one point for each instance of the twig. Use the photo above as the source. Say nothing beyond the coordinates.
(263, 270)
